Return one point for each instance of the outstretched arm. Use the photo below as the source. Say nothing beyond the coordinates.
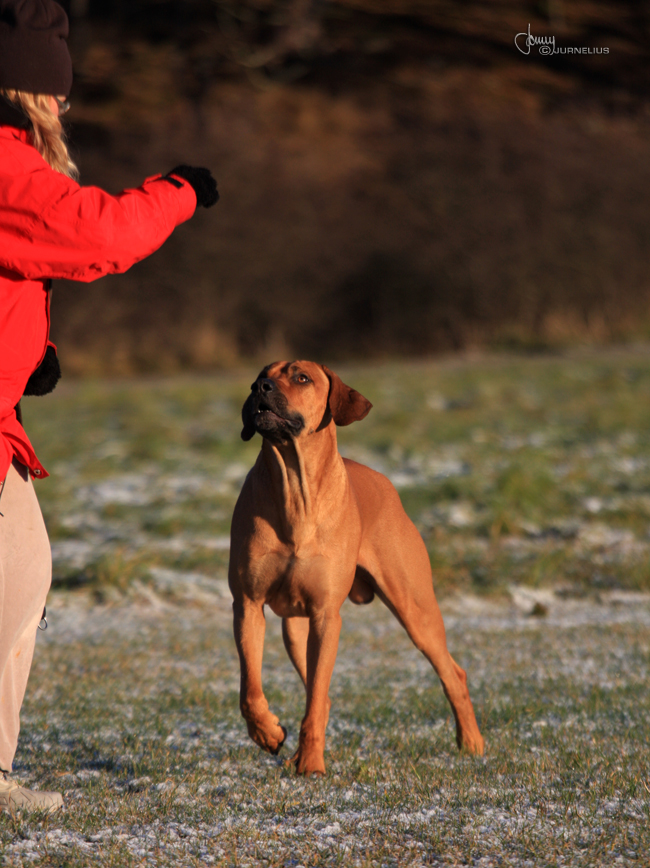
(51, 227)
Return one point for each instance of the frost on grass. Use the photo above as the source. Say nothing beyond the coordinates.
(532, 472)
(133, 713)
(527, 477)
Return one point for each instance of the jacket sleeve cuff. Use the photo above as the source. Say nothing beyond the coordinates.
(182, 192)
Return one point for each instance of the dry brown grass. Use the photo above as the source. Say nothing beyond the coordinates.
(407, 185)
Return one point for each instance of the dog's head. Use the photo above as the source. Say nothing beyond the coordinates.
(290, 399)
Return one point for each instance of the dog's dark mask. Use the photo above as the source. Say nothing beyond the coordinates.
(267, 413)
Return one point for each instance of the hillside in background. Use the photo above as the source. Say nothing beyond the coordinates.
(396, 177)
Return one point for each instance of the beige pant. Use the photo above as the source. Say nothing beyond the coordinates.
(25, 576)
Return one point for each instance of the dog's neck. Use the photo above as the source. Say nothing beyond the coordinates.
(303, 471)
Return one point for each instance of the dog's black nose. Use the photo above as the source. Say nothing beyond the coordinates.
(263, 385)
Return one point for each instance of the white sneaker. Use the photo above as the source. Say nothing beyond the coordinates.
(13, 796)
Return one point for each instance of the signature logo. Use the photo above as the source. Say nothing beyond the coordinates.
(546, 43)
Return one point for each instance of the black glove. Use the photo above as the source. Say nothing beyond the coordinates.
(200, 180)
(46, 375)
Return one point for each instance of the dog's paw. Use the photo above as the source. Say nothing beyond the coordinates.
(308, 762)
(473, 745)
(270, 736)
(276, 750)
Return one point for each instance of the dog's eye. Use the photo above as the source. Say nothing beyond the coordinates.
(302, 378)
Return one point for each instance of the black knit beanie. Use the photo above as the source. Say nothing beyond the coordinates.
(34, 54)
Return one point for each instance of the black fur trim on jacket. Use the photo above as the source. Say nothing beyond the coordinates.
(12, 116)
(46, 376)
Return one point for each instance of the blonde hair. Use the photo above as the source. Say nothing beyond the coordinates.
(46, 130)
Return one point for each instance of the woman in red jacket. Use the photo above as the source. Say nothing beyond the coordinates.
(50, 227)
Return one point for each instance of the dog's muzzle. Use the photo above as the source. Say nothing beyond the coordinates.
(267, 412)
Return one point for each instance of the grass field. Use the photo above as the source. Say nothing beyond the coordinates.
(530, 481)
(533, 471)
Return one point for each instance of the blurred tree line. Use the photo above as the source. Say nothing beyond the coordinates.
(396, 177)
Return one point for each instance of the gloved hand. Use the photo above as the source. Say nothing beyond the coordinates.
(200, 180)
(44, 379)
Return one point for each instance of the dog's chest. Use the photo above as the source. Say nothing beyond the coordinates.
(292, 584)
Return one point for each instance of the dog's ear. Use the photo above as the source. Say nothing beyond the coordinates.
(346, 404)
(248, 431)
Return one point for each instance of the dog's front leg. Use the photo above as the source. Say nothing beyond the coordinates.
(263, 726)
(322, 645)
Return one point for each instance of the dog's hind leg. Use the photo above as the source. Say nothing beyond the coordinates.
(295, 632)
(417, 610)
(403, 581)
(263, 726)
(320, 656)
(423, 622)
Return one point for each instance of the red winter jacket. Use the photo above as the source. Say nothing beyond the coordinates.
(50, 227)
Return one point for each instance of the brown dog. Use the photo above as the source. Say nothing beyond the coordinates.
(311, 528)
